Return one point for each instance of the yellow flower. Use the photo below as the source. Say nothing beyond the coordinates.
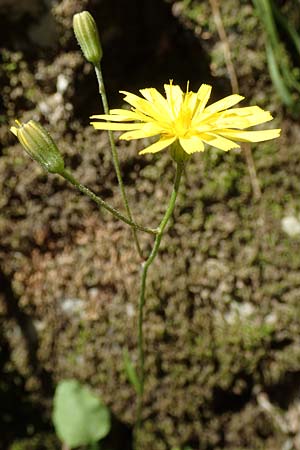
(184, 117)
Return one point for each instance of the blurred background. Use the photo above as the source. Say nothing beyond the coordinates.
(223, 307)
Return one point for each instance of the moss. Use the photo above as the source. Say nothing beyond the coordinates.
(37, 442)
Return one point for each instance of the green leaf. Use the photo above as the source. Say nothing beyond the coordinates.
(79, 416)
(131, 372)
(276, 77)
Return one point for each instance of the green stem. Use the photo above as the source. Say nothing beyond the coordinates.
(69, 177)
(264, 11)
(145, 267)
(115, 156)
(288, 27)
(276, 77)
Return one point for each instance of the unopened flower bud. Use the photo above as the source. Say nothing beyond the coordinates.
(39, 145)
(86, 33)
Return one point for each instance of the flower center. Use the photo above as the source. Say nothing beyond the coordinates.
(182, 123)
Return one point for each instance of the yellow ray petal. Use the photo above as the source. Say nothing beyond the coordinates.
(251, 136)
(243, 117)
(14, 130)
(155, 97)
(116, 126)
(148, 130)
(203, 95)
(120, 115)
(113, 118)
(192, 144)
(143, 106)
(190, 101)
(174, 98)
(249, 111)
(137, 134)
(218, 141)
(158, 146)
(224, 103)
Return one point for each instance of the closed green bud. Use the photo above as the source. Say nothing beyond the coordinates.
(86, 33)
(178, 154)
(39, 145)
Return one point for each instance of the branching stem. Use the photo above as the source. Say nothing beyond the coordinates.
(100, 202)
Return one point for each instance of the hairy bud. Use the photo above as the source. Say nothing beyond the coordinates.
(39, 145)
(87, 35)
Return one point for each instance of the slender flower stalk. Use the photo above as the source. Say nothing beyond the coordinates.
(100, 202)
(87, 35)
(115, 157)
(144, 273)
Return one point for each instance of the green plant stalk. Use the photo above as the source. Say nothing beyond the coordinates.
(280, 73)
(100, 202)
(264, 10)
(288, 27)
(289, 78)
(116, 162)
(145, 267)
(276, 77)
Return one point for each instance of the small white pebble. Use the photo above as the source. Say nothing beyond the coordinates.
(44, 108)
(130, 310)
(72, 305)
(291, 225)
(62, 83)
(271, 318)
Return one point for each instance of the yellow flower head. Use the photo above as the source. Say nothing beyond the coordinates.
(184, 117)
